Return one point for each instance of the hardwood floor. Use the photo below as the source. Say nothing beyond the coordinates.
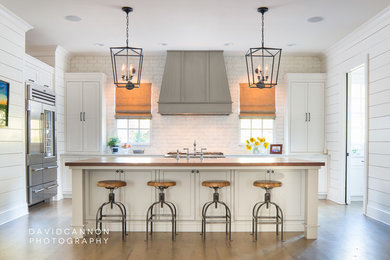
(344, 234)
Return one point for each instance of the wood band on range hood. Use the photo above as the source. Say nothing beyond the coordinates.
(195, 83)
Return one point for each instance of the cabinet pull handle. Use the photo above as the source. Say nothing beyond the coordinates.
(309, 117)
(84, 116)
(46, 86)
(81, 116)
(31, 80)
(305, 117)
(53, 186)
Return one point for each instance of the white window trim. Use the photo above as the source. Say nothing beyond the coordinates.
(132, 128)
(251, 129)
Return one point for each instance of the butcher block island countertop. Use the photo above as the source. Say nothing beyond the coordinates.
(298, 195)
(193, 162)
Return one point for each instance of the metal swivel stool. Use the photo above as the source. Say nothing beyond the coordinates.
(152, 217)
(227, 218)
(268, 185)
(112, 185)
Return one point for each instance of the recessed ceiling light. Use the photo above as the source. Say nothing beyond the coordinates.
(99, 44)
(73, 18)
(315, 19)
(291, 44)
(163, 44)
(228, 44)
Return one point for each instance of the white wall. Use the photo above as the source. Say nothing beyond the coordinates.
(372, 39)
(13, 201)
(217, 133)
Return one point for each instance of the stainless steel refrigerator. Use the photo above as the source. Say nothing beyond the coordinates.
(41, 158)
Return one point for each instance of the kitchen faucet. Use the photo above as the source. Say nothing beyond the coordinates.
(194, 147)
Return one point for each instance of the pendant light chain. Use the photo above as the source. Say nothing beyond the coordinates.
(127, 30)
(262, 30)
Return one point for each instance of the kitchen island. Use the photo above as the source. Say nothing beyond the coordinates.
(297, 197)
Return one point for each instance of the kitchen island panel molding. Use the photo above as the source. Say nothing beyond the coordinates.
(298, 195)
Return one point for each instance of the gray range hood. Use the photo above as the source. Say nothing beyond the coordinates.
(195, 83)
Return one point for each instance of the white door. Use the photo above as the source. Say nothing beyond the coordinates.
(298, 124)
(315, 109)
(182, 195)
(91, 119)
(205, 194)
(74, 127)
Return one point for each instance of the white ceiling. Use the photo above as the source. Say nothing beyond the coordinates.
(192, 24)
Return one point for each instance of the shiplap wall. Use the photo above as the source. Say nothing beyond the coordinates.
(370, 45)
(59, 58)
(12, 146)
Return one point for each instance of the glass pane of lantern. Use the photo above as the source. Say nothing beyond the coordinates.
(128, 66)
(263, 67)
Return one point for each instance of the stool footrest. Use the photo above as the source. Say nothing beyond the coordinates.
(216, 217)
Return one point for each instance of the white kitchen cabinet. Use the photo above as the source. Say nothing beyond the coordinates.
(189, 195)
(38, 72)
(85, 112)
(183, 194)
(305, 113)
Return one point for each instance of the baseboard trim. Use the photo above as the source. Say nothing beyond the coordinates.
(14, 213)
(378, 214)
(322, 196)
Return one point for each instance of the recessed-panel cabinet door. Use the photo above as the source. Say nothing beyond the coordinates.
(74, 127)
(315, 107)
(298, 124)
(137, 196)
(205, 194)
(91, 119)
(182, 195)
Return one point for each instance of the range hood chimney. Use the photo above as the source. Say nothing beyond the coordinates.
(195, 83)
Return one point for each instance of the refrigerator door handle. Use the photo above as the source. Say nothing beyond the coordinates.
(42, 133)
(38, 170)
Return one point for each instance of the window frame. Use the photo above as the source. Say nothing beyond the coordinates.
(257, 129)
(138, 129)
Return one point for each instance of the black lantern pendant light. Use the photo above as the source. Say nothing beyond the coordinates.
(262, 63)
(127, 61)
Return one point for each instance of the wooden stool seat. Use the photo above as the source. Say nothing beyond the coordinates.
(216, 184)
(267, 184)
(111, 184)
(165, 184)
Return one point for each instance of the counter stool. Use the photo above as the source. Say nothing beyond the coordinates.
(150, 217)
(112, 185)
(227, 218)
(268, 185)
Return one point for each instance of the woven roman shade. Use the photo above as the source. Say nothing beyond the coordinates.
(133, 104)
(257, 103)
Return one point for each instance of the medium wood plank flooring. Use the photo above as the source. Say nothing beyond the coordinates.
(344, 234)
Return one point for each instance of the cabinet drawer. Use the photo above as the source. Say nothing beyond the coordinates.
(50, 190)
(36, 194)
(50, 173)
(35, 175)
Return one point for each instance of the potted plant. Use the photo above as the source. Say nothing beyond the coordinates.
(113, 143)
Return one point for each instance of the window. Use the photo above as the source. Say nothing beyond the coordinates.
(256, 128)
(133, 131)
